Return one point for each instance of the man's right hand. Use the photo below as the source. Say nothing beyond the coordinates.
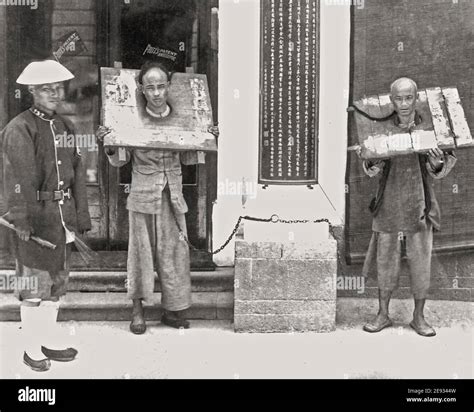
(24, 234)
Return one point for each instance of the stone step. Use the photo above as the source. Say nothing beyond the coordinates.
(220, 280)
(200, 260)
(110, 306)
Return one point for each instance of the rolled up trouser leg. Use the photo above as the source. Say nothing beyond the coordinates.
(388, 261)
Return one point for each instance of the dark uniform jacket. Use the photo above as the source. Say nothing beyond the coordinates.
(40, 154)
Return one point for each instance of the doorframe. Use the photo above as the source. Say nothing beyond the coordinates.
(107, 53)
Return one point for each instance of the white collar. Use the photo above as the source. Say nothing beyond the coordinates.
(161, 115)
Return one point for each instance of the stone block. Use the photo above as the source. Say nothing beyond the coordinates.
(269, 279)
(465, 283)
(243, 278)
(281, 307)
(324, 250)
(285, 279)
(321, 321)
(311, 279)
(257, 250)
(285, 287)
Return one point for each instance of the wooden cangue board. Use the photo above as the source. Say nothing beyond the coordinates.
(186, 128)
(443, 125)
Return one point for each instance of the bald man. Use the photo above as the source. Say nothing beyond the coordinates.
(405, 213)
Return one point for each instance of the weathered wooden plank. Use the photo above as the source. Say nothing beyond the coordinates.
(439, 115)
(442, 118)
(186, 128)
(362, 124)
(424, 137)
(386, 105)
(364, 129)
(398, 142)
(457, 117)
(373, 109)
(378, 135)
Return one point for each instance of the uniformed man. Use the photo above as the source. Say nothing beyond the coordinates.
(45, 195)
(405, 214)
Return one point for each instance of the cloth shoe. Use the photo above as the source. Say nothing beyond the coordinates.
(33, 330)
(175, 320)
(55, 345)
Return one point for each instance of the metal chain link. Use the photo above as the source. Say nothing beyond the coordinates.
(274, 219)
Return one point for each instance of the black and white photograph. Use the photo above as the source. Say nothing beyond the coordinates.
(236, 191)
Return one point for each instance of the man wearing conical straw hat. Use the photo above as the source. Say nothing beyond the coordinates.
(45, 195)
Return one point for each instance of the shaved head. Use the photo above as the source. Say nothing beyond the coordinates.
(403, 83)
(404, 95)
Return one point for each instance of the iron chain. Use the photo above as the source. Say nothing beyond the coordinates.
(273, 219)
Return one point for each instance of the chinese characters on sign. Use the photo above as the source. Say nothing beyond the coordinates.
(289, 90)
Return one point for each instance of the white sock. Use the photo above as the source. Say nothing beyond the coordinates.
(32, 325)
(55, 337)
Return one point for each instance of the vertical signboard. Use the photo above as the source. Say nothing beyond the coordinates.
(289, 75)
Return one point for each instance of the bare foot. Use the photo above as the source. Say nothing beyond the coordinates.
(421, 326)
(380, 322)
(138, 325)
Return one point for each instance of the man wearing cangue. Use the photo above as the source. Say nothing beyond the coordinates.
(157, 210)
(405, 214)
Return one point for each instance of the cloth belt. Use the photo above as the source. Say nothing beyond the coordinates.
(56, 195)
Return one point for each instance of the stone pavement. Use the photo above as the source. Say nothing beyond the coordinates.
(211, 349)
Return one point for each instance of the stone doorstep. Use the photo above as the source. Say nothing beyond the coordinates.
(112, 306)
(220, 280)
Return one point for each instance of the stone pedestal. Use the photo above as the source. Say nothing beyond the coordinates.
(285, 287)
